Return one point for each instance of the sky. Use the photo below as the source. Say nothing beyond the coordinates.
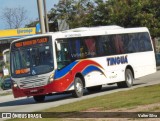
(29, 5)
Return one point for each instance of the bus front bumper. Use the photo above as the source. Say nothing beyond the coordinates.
(54, 87)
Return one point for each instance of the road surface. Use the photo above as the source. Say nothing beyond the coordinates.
(9, 104)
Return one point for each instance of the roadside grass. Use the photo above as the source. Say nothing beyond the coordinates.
(123, 99)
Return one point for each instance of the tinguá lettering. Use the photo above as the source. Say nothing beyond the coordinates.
(117, 60)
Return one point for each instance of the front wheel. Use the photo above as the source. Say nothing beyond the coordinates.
(39, 98)
(78, 87)
(128, 79)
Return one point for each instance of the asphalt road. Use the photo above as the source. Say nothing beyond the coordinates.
(9, 104)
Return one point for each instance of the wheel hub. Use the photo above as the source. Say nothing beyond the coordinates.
(129, 79)
(79, 88)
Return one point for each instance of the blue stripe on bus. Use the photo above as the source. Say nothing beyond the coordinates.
(63, 72)
(90, 69)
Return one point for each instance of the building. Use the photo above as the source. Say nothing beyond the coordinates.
(7, 36)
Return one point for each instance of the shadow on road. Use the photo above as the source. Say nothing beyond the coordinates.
(56, 98)
(109, 88)
(28, 101)
(17, 102)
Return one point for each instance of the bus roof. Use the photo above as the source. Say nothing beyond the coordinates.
(81, 29)
(91, 31)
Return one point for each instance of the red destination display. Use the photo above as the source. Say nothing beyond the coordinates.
(31, 42)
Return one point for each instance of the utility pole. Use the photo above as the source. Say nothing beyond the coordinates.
(41, 18)
(45, 15)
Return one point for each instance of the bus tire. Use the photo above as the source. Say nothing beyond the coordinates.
(128, 79)
(39, 98)
(95, 88)
(78, 87)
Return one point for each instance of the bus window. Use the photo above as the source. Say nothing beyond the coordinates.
(133, 43)
(63, 58)
(101, 49)
(37, 58)
(144, 42)
(90, 43)
(139, 42)
(107, 45)
(118, 44)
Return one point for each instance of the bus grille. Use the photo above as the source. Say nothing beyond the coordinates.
(31, 83)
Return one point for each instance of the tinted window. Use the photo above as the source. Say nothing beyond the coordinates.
(96, 46)
(31, 59)
(139, 42)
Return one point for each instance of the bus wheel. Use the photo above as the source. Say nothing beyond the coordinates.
(95, 88)
(39, 98)
(78, 87)
(128, 79)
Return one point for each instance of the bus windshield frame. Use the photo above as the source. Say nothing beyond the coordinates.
(32, 59)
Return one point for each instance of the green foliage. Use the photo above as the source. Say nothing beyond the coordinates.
(75, 12)
(135, 13)
(125, 13)
(32, 24)
(119, 100)
(122, 99)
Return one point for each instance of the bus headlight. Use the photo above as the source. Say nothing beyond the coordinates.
(15, 85)
(51, 78)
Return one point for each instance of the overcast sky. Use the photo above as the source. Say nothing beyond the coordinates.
(29, 5)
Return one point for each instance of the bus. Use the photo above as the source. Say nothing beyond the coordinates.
(6, 55)
(83, 58)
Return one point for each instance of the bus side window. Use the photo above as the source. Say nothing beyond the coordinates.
(125, 39)
(74, 49)
(63, 52)
(100, 42)
(118, 44)
(90, 43)
(110, 45)
(132, 45)
(144, 42)
(107, 45)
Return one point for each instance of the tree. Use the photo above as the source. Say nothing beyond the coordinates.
(32, 23)
(14, 17)
(75, 12)
(125, 13)
(100, 14)
(135, 13)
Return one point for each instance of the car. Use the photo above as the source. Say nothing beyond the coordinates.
(6, 84)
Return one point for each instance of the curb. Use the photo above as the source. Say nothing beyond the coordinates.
(3, 92)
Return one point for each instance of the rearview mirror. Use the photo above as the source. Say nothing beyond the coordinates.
(58, 46)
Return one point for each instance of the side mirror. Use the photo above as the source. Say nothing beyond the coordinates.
(58, 46)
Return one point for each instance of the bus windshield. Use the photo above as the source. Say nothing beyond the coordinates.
(32, 60)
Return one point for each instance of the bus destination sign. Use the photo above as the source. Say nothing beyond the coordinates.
(31, 42)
